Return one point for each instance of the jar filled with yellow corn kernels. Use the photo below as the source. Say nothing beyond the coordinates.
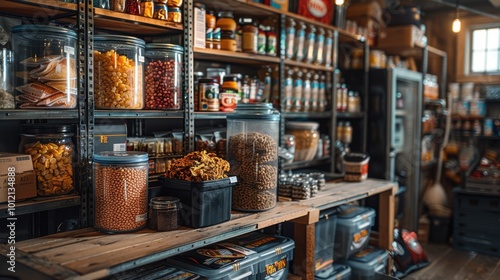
(118, 72)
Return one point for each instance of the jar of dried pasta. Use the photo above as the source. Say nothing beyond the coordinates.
(52, 152)
(118, 72)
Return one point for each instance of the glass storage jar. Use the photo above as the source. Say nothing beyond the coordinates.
(120, 191)
(164, 213)
(45, 66)
(6, 78)
(306, 139)
(163, 76)
(252, 151)
(118, 72)
(52, 150)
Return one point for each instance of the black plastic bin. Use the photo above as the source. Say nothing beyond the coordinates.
(204, 203)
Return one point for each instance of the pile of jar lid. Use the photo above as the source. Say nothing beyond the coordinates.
(301, 186)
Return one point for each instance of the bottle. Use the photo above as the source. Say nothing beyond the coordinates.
(338, 93)
(238, 36)
(309, 43)
(351, 102)
(347, 133)
(288, 89)
(245, 89)
(306, 92)
(476, 128)
(262, 38)
(328, 48)
(322, 94)
(227, 26)
(315, 92)
(300, 37)
(297, 90)
(319, 45)
(210, 26)
(265, 83)
(290, 37)
(340, 131)
(344, 98)
(272, 41)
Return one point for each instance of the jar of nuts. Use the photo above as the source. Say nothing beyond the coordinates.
(118, 72)
(120, 191)
(252, 151)
(51, 149)
(163, 77)
(306, 139)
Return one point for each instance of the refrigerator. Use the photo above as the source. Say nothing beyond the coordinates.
(394, 136)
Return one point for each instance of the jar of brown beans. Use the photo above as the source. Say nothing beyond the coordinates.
(120, 191)
(52, 152)
(163, 76)
(118, 72)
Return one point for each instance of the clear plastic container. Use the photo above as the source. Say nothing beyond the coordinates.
(306, 139)
(253, 134)
(118, 72)
(52, 152)
(120, 191)
(45, 67)
(164, 213)
(163, 76)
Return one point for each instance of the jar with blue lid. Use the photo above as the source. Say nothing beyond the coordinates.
(120, 191)
(45, 66)
(118, 72)
(252, 146)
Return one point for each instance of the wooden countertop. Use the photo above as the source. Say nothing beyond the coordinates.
(88, 254)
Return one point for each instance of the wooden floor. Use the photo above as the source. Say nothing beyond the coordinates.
(448, 263)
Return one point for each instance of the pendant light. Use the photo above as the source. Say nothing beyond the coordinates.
(456, 25)
(339, 2)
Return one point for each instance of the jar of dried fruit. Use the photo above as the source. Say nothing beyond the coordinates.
(52, 152)
(163, 76)
(118, 72)
(252, 141)
(120, 191)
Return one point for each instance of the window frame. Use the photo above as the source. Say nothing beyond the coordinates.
(471, 51)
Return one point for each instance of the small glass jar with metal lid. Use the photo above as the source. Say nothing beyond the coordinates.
(163, 76)
(120, 191)
(52, 152)
(45, 67)
(118, 72)
(164, 213)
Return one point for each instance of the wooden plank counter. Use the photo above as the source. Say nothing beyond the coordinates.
(88, 254)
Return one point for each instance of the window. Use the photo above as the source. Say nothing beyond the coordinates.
(485, 51)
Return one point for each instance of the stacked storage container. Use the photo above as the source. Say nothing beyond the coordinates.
(368, 263)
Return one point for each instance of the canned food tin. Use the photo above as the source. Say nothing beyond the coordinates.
(208, 92)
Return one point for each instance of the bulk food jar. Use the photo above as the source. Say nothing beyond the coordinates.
(163, 76)
(45, 67)
(306, 139)
(120, 191)
(252, 145)
(52, 152)
(118, 72)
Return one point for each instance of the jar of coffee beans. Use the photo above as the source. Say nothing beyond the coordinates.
(252, 151)
(164, 213)
(120, 191)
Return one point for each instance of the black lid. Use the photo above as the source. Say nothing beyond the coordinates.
(230, 78)
(356, 157)
(46, 128)
(207, 81)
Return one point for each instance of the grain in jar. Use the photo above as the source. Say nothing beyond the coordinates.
(306, 139)
(45, 67)
(252, 147)
(120, 191)
(118, 72)
(163, 76)
(164, 213)
(52, 153)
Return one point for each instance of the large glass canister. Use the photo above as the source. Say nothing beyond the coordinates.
(118, 72)
(163, 76)
(52, 152)
(6, 77)
(45, 67)
(120, 191)
(252, 145)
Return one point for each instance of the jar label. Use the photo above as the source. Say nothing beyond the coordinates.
(69, 50)
(141, 58)
(261, 44)
(290, 38)
(141, 217)
(299, 43)
(209, 97)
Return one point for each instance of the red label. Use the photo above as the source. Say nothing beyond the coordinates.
(320, 10)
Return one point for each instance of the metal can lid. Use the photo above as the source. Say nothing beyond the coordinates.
(164, 202)
(302, 125)
(163, 46)
(261, 111)
(47, 128)
(121, 157)
(28, 30)
(120, 39)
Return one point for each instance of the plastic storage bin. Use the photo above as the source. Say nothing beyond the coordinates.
(203, 203)
(163, 76)
(218, 262)
(334, 272)
(156, 270)
(366, 264)
(324, 239)
(275, 254)
(252, 151)
(45, 67)
(353, 230)
(118, 72)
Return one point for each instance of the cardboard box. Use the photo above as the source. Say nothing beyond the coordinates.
(110, 137)
(400, 36)
(278, 4)
(24, 178)
(365, 10)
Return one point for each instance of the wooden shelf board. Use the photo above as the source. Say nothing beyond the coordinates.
(40, 204)
(290, 62)
(233, 57)
(29, 8)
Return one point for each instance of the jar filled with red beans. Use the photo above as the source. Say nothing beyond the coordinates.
(163, 76)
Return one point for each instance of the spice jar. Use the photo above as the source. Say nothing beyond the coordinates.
(147, 8)
(46, 57)
(163, 76)
(297, 90)
(250, 36)
(174, 3)
(132, 7)
(253, 133)
(120, 191)
(160, 11)
(117, 5)
(118, 72)
(174, 14)
(52, 152)
(164, 213)
(306, 139)
(227, 26)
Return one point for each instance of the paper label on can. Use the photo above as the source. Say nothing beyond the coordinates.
(141, 217)
(69, 50)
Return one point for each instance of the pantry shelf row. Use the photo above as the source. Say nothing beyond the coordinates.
(35, 205)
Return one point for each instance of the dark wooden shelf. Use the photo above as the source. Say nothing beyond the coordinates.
(144, 114)
(311, 66)
(23, 114)
(40, 204)
(233, 57)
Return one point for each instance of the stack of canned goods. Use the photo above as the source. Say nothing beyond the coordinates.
(300, 186)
